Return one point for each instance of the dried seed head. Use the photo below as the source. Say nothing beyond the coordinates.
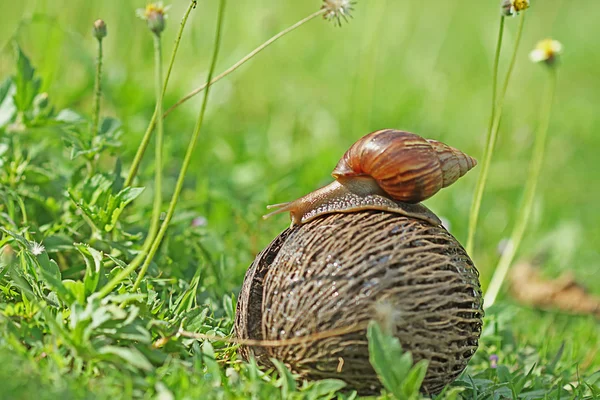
(388, 316)
(513, 7)
(37, 248)
(155, 15)
(546, 51)
(337, 9)
(99, 30)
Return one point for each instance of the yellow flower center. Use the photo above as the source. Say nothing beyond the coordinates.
(520, 5)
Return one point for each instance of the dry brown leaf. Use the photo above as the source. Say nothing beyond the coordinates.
(563, 293)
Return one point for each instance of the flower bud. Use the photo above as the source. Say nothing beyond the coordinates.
(155, 15)
(156, 22)
(99, 29)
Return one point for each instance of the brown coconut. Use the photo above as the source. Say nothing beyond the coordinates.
(343, 270)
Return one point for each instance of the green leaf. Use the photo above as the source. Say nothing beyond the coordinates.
(7, 106)
(393, 367)
(123, 198)
(109, 126)
(93, 267)
(414, 379)
(228, 301)
(383, 351)
(286, 379)
(76, 288)
(4, 88)
(324, 388)
(212, 368)
(50, 274)
(26, 83)
(129, 354)
(195, 318)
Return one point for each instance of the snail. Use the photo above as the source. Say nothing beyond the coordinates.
(387, 170)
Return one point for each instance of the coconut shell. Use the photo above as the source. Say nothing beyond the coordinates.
(346, 269)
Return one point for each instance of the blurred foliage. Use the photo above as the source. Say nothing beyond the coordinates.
(274, 131)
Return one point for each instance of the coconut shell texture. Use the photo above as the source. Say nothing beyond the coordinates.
(346, 269)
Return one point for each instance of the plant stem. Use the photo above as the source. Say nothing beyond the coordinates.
(492, 135)
(148, 134)
(144, 144)
(535, 167)
(97, 91)
(180, 179)
(158, 163)
(243, 60)
(495, 73)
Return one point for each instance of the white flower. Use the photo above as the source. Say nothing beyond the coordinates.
(337, 9)
(513, 7)
(37, 248)
(546, 51)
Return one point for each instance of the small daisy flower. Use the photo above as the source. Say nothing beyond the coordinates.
(37, 248)
(546, 51)
(337, 9)
(155, 15)
(513, 7)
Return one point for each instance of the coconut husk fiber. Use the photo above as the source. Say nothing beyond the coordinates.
(346, 269)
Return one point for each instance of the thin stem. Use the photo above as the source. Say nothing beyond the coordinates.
(148, 134)
(244, 59)
(97, 91)
(158, 163)
(535, 167)
(144, 144)
(280, 342)
(495, 73)
(492, 138)
(180, 179)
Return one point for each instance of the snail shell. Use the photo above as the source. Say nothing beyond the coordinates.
(406, 166)
(384, 171)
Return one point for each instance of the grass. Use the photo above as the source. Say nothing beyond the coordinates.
(273, 131)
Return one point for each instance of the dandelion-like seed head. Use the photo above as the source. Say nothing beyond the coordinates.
(546, 51)
(155, 15)
(388, 316)
(338, 9)
(513, 7)
(37, 248)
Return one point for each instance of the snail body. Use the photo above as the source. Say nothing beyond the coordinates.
(346, 195)
(384, 170)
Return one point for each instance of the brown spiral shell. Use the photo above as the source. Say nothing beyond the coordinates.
(406, 166)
